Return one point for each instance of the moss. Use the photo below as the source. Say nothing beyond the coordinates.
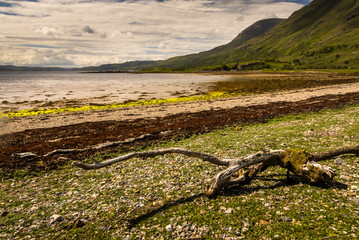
(294, 159)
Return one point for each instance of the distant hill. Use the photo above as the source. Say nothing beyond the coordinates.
(133, 65)
(16, 68)
(323, 34)
(194, 60)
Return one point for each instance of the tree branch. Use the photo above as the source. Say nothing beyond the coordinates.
(204, 157)
(298, 162)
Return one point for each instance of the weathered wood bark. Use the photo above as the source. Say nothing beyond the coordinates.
(300, 163)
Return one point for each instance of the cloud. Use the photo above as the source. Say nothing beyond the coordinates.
(88, 32)
(88, 29)
(50, 31)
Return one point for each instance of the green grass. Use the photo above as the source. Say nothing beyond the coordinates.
(140, 197)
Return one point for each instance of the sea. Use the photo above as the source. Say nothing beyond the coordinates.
(29, 89)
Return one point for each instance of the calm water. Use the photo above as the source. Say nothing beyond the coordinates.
(29, 89)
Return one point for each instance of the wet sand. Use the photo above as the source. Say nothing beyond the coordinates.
(158, 111)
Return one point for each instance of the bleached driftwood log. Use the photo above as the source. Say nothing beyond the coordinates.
(300, 163)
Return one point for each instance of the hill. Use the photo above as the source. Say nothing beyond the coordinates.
(322, 34)
(194, 60)
(22, 68)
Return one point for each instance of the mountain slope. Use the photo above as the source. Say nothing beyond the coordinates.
(197, 60)
(323, 34)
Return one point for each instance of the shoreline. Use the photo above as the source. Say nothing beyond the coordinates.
(13, 125)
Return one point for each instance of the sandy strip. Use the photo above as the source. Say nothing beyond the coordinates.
(125, 114)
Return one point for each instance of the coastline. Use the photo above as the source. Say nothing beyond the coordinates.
(12, 125)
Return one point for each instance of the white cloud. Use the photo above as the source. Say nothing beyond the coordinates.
(50, 31)
(63, 32)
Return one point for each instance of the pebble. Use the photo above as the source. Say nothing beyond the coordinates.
(343, 177)
(229, 211)
(55, 218)
(339, 161)
(286, 219)
(245, 227)
(169, 228)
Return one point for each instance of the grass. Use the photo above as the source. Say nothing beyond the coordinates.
(162, 198)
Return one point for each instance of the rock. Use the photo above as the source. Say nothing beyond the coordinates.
(263, 222)
(203, 212)
(245, 227)
(286, 208)
(33, 209)
(339, 161)
(343, 177)
(229, 211)
(286, 219)
(56, 218)
(169, 228)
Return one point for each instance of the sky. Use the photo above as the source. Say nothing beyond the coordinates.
(77, 33)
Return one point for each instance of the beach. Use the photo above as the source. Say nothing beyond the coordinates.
(12, 125)
(88, 133)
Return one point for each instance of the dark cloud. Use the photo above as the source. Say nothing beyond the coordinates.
(4, 4)
(88, 29)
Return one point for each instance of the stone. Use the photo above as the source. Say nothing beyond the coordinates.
(263, 222)
(203, 212)
(245, 227)
(56, 218)
(343, 177)
(229, 211)
(339, 161)
(286, 219)
(169, 228)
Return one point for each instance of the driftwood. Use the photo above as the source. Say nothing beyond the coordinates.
(30, 155)
(299, 163)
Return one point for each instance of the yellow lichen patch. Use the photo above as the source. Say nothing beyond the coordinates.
(32, 112)
(294, 159)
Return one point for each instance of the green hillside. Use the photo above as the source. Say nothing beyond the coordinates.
(323, 34)
(209, 58)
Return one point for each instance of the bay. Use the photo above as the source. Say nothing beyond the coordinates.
(23, 90)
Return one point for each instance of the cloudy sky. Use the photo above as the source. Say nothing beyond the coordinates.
(75, 33)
